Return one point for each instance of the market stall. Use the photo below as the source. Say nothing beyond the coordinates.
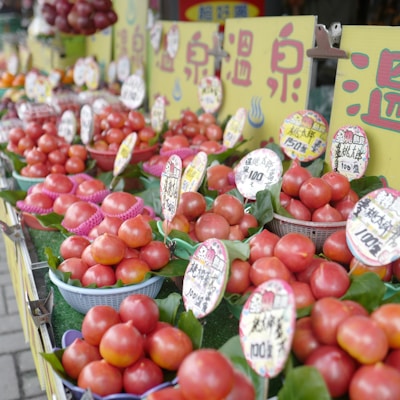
(167, 160)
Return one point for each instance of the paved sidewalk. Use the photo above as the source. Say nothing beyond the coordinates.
(18, 375)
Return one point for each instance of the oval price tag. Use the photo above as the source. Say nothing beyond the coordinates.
(158, 114)
(234, 128)
(194, 173)
(373, 227)
(133, 91)
(87, 123)
(79, 73)
(123, 68)
(257, 171)
(205, 278)
(170, 186)
(209, 91)
(67, 127)
(173, 41)
(303, 135)
(124, 153)
(92, 74)
(267, 325)
(155, 36)
(350, 151)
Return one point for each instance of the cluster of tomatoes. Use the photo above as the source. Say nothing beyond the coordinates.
(113, 124)
(130, 349)
(357, 352)
(44, 151)
(328, 198)
(225, 219)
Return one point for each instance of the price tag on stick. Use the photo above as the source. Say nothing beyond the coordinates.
(205, 278)
(373, 227)
(133, 91)
(170, 186)
(123, 156)
(194, 173)
(158, 114)
(266, 327)
(67, 127)
(234, 128)
(209, 91)
(87, 123)
(257, 171)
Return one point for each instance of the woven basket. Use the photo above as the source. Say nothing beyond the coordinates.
(82, 299)
(318, 232)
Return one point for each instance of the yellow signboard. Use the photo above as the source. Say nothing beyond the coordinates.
(99, 46)
(367, 94)
(267, 71)
(130, 31)
(177, 67)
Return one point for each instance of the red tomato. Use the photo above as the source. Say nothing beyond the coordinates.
(315, 192)
(242, 388)
(121, 345)
(73, 246)
(210, 146)
(167, 393)
(142, 376)
(214, 132)
(218, 178)
(136, 232)
(63, 201)
(247, 222)
(156, 254)
(77, 150)
(75, 265)
(335, 366)
(175, 142)
(116, 119)
(293, 178)
(101, 378)
(109, 225)
(108, 249)
(269, 267)
(35, 155)
(339, 184)
(239, 277)
(388, 318)
(78, 213)
(336, 249)
(47, 143)
(99, 275)
(15, 134)
(97, 321)
(136, 120)
(302, 294)
(78, 354)
(262, 244)
(25, 143)
(168, 347)
(114, 135)
(188, 116)
(116, 203)
(298, 210)
(146, 134)
(41, 200)
(206, 118)
(142, 310)
(211, 225)
(131, 270)
(326, 213)
(58, 183)
(230, 207)
(74, 165)
(192, 205)
(38, 170)
(304, 340)
(89, 187)
(206, 374)
(57, 157)
(34, 130)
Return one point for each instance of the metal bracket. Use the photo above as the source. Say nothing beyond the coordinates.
(217, 51)
(14, 232)
(325, 40)
(41, 312)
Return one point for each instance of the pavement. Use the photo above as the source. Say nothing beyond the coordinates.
(18, 376)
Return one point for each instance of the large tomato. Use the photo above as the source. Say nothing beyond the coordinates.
(219, 178)
(262, 244)
(96, 322)
(267, 268)
(58, 183)
(63, 201)
(168, 347)
(142, 376)
(304, 340)
(339, 184)
(295, 250)
(336, 249)
(108, 249)
(388, 318)
(211, 225)
(78, 354)
(293, 178)
(89, 187)
(73, 246)
(315, 192)
(136, 232)
(230, 207)
(75, 266)
(131, 270)
(192, 205)
(242, 388)
(156, 254)
(239, 277)
(116, 203)
(336, 367)
(142, 310)
(206, 374)
(78, 213)
(101, 378)
(99, 275)
(40, 200)
(121, 345)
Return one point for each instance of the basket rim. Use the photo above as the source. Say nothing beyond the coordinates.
(16, 175)
(99, 291)
(310, 224)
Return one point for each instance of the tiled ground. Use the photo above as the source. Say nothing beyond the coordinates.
(18, 375)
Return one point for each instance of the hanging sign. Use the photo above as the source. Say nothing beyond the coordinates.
(170, 185)
(267, 325)
(257, 171)
(205, 278)
(373, 227)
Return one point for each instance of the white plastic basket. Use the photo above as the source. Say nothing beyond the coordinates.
(318, 232)
(82, 299)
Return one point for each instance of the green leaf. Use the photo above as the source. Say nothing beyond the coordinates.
(15, 159)
(54, 359)
(366, 289)
(392, 293)
(304, 383)
(12, 196)
(237, 249)
(366, 184)
(263, 208)
(235, 303)
(151, 198)
(52, 259)
(316, 167)
(277, 149)
(190, 324)
(169, 307)
(52, 220)
(174, 268)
